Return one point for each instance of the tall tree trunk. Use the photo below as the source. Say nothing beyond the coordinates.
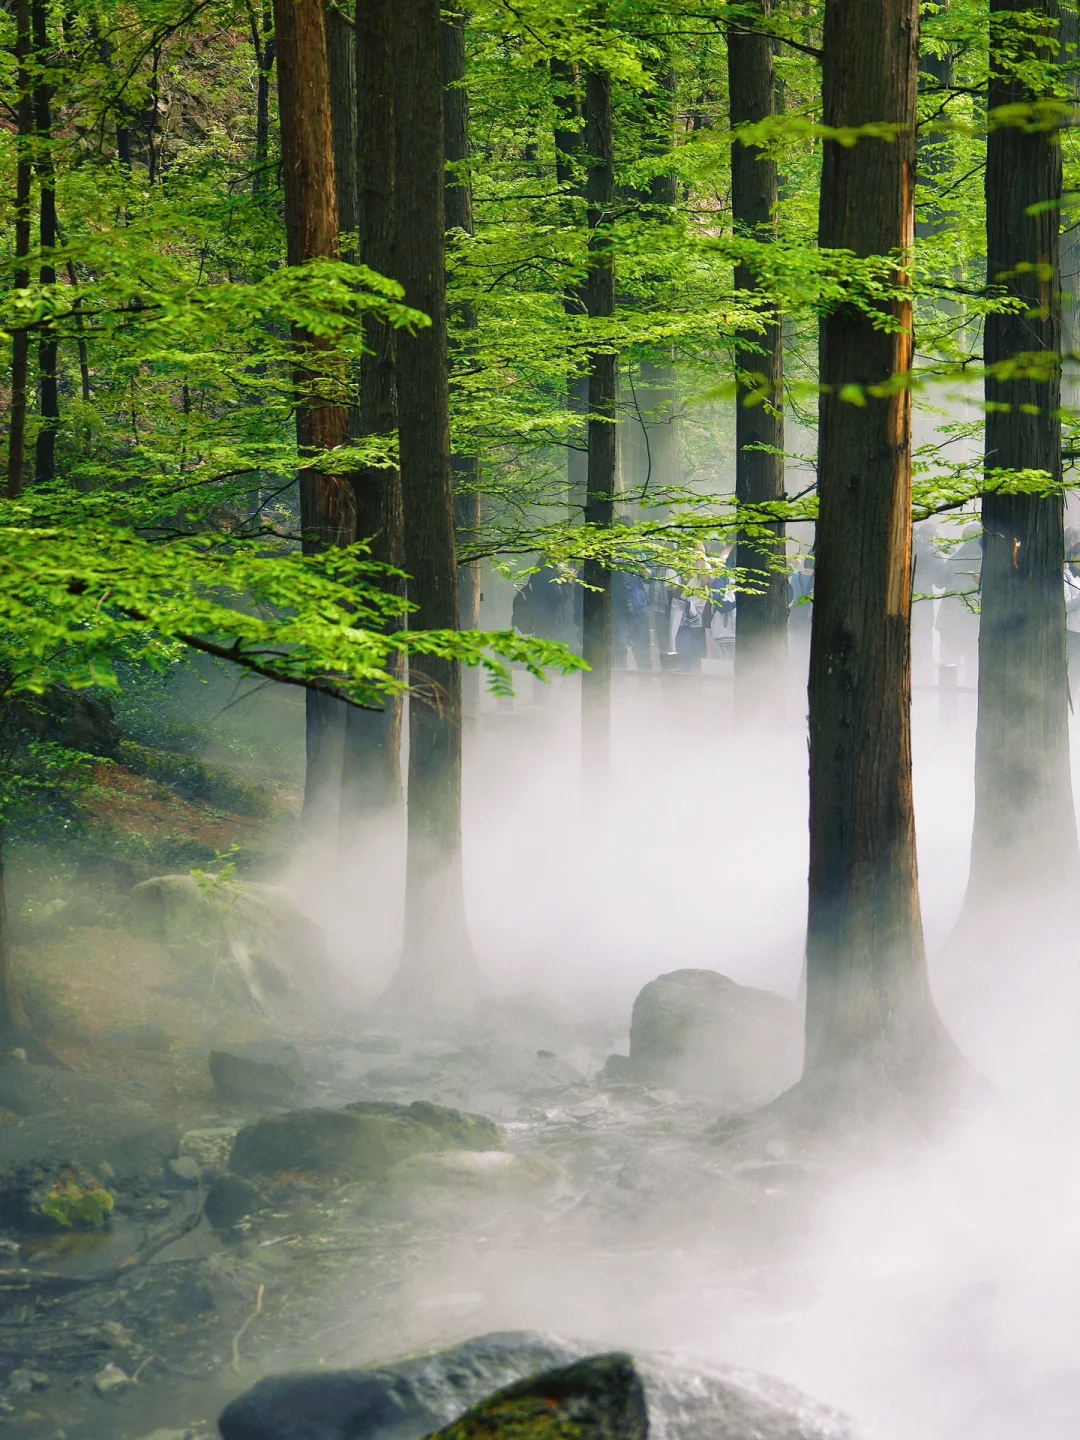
(1024, 839)
(327, 510)
(761, 614)
(569, 145)
(48, 390)
(870, 1021)
(459, 220)
(603, 397)
(437, 964)
(262, 42)
(371, 777)
(20, 341)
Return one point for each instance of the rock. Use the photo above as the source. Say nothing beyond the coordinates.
(230, 1199)
(209, 1149)
(110, 1379)
(616, 1070)
(185, 1170)
(436, 1185)
(53, 1198)
(169, 1435)
(263, 1072)
(130, 1138)
(698, 1031)
(599, 1398)
(361, 1141)
(260, 948)
(24, 1381)
(39, 1089)
(411, 1398)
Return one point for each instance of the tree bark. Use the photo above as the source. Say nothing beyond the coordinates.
(48, 389)
(870, 1021)
(761, 614)
(569, 144)
(262, 42)
(1024, 839)
(327, 509)
(14, 1024)
(459, 221)
(371, 777)
(20, 341)
(603, 398)
(437, 963)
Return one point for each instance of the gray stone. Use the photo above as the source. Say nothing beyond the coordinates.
(24, 1380)
(209, 1148)
(131, 1139)
(700, 1032)
(185, 1170)
(231, 1199)
(111, 1379)
(39, 1089)
(440, 1186)
(262, 1072)
(361, 1141)
(411, 1398)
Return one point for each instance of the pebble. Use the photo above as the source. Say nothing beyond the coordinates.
(185, 1169)
(23, 1380)
(110, 1379)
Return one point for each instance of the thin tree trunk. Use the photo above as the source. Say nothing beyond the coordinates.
(262, 42)
(20, 341)
(569, 145)
(371, 776)
(603, 398)
(1024, 839)
(761, 614)
(327, 510)
(870, 1021)
(48, 390)
(14, 1025)
(459, 220)
(437, 964)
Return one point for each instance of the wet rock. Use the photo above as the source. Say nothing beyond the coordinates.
(264, 1072)
(23, 1381)
(700, 1032)
(110, 1379)
(208, 1148)
(361, 1141)
(599, 1398)
(38, 1089)
(184, 1170)
(410, 1398)
(262, 950)
(231, 1199)
(50, 1199)
(438, 1185)
(617, 1070)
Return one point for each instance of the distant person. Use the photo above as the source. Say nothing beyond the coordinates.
(544, 606)
(802, 590)
(630, 630)
(686, 621)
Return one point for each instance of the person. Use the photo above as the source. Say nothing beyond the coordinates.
(686, 620)
(802, 588)
(630, 620)
(544, 606)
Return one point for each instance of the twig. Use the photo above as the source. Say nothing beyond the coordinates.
(240, 1333)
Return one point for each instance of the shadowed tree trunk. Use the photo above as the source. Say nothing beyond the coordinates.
(262, 42)
(603, 398)
(569, 146)
(371, 778)
(871, 1026)
(761, 633)
(20, 341)
(327, 509)
(459, 220)
(48, 390)
(437, 965)
(1024, 839)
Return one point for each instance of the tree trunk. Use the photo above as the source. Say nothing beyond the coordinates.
(459, 219)
(48, 391)
(761, 615)
(437, 965)
(603, 396)
(568, 161)
(371, 778)
(262, 42)
(1024, 839)
(870, 1021)
(20, 341)
(327, 511)
(14, 1025)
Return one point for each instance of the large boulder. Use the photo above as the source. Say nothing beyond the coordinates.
(252, 938)
(414, 1397)
(130, 1138)
(53, 1198)
(700, 1032)
(361, 1141)
(598, 1398)
(38, 1089)
(260, 1072)
(442, 1185)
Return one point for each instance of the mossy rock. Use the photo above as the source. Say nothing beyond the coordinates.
(434, 1186)
(600, 1398)
(52, 1199)
(359, 1142)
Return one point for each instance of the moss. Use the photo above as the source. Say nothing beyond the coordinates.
(75, 1206)
(531, 1417)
